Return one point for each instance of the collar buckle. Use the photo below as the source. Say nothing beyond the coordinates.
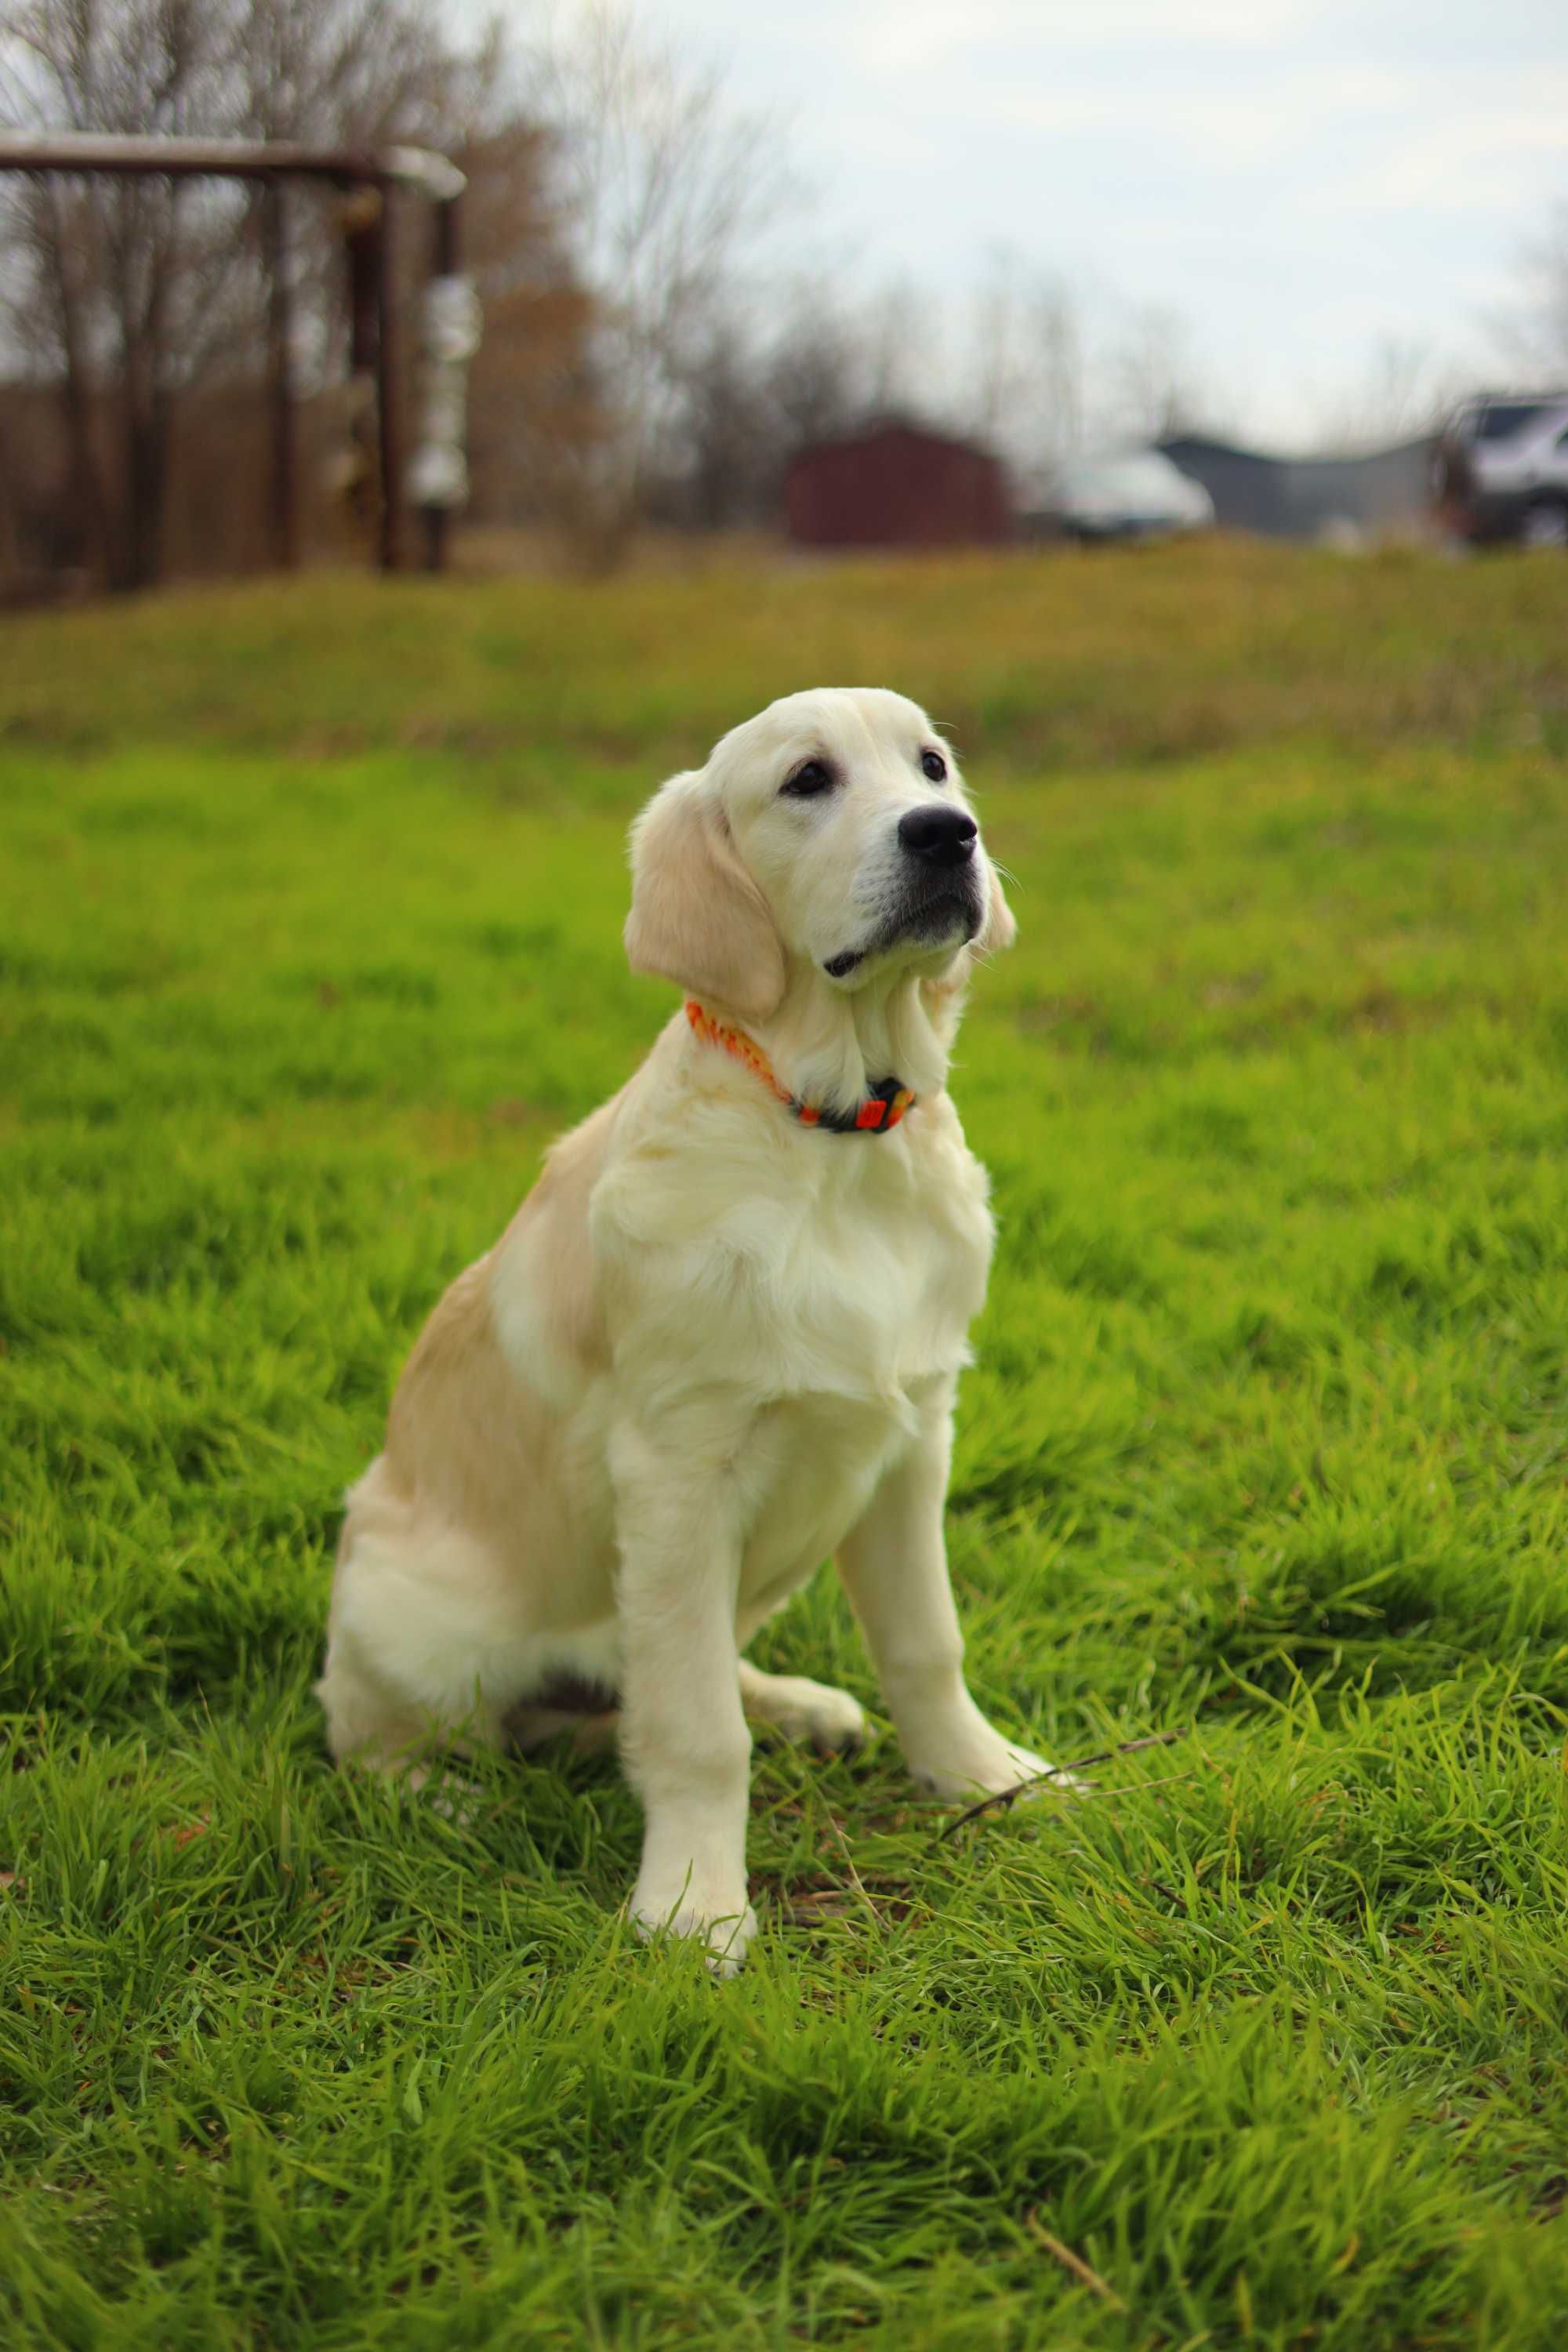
(876, 1112)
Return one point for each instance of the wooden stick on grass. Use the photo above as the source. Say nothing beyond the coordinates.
(1004, 1798)
(1070, 2262)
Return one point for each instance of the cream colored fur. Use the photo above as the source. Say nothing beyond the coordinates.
(713, 1347)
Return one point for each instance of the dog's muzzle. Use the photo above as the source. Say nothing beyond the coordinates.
(941, 892)
(941, 895)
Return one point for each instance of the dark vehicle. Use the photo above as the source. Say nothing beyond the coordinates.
(1500, 469)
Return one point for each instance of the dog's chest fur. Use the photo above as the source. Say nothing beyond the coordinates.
(802, 1264)
(827, 1286)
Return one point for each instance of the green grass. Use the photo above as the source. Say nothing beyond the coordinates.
(310, 908)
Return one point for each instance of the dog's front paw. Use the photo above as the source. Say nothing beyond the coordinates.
(720, 1917)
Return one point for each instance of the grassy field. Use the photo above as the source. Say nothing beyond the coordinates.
(309, 909)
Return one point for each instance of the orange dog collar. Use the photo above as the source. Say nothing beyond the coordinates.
(874, 1114)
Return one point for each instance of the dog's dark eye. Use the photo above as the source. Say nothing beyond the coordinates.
(814, 777)
(933, 766)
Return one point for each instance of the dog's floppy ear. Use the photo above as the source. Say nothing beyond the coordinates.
(1000, 928)
(697, 916)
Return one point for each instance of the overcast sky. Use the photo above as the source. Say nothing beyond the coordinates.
(1302, 179)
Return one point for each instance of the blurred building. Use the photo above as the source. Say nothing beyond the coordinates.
(1386, 494)
(896, 483)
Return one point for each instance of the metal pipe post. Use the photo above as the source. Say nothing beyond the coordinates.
(446, 260)
(285, 515)
(387, 415)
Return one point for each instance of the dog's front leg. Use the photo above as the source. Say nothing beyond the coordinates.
(894, 1567)
(683, 1733)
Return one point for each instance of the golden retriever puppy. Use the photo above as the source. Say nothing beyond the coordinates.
(720, 1339)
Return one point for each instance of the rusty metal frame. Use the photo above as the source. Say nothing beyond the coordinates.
(416, 171)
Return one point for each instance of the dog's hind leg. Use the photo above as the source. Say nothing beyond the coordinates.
(418, 1661)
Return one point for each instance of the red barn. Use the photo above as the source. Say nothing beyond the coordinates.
(896, 484)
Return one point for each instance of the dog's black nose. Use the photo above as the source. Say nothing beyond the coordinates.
(941, 835)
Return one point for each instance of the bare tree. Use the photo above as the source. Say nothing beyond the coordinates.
(669, 191)
(1027, 390)
(1540, 320)
(110, 272)
(813, 370)
(804, 368)
(1051, 368)
(728, 436)
(1403, 392)
(1155, 384)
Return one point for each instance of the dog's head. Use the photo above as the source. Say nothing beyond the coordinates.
(830, 834)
